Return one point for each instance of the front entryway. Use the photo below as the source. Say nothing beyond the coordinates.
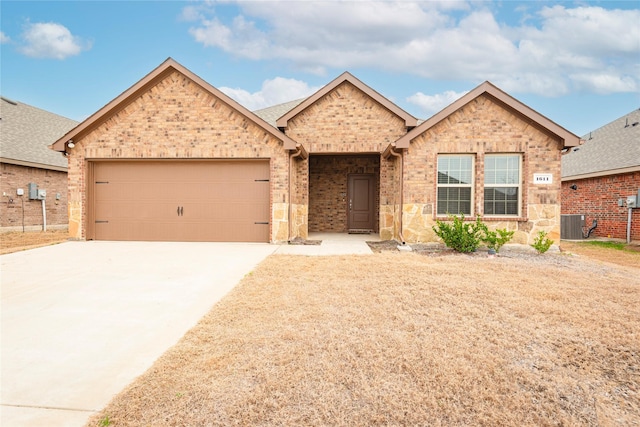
(344, 193)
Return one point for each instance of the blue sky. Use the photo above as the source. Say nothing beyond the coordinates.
(578, 63)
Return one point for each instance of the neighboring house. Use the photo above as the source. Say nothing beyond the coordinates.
(174, 158)
(25, 158)
(600, 173)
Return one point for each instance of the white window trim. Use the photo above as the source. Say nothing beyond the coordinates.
(470, 185)
(519, 186)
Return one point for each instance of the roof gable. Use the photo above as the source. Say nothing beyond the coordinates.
(567, 138)
(163, 70)
(410, 121)
(26, 133)
(611, 149)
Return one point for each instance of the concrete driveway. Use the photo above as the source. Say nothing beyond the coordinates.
(81, 320)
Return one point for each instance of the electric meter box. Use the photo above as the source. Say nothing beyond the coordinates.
(632, 202)
(42, 194)
(33, 191)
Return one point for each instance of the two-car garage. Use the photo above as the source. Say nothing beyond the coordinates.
(165, 200)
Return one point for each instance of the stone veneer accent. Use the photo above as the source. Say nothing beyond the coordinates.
(328, 178)
(177, 119)
(345, 121)
(482, 127)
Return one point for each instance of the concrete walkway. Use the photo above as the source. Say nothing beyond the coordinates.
(332, 244)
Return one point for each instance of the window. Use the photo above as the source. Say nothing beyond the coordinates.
(502, 184)
(455, 190)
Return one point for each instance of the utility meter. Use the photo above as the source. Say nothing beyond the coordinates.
(631, 202)
(42, 194)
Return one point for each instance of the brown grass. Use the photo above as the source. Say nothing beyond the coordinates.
(16, 241)
(404, 339)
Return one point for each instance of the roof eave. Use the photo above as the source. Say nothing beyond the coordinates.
(566, 138)
(597, 174)
(167, 67)
(409, 120)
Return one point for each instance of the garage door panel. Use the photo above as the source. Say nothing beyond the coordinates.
(182, 201)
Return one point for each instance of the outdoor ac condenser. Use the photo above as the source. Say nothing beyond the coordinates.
(571, 227)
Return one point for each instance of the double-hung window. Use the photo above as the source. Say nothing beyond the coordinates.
(455, 184)
(502, 184)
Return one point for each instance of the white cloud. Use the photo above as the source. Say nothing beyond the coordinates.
(4, 38)
(273, 92)
(51, 40)
(548, 51)
(431, 104)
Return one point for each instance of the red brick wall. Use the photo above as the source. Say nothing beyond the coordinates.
(597, 198)
(11, 205)
(328, 177)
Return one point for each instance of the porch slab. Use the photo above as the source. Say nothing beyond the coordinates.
(332, 244)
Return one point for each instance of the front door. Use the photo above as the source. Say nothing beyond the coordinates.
(361, 202)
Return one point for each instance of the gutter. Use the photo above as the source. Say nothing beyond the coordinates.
(388, 152)
(302, 154)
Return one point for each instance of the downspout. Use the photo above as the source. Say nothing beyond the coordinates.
(44, 217)
(292, 156)
(629, 216)
(401, 157)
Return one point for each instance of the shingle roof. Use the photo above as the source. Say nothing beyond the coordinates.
(273, 113)
(611, 149)
(26, 133)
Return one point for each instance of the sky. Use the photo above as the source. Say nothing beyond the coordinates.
(576, 62)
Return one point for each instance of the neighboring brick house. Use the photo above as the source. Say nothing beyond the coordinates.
(173, 158)
(601, 172)
(25, 135)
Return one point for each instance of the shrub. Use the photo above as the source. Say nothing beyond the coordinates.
(496, 239)
(459, 235)
(542, 243)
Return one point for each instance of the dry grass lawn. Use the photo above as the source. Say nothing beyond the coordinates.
(405, 339)
(16, 241)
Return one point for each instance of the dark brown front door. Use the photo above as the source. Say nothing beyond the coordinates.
(361, 202)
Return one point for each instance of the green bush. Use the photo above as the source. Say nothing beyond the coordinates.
(496, 239)
(459, 235)
(542, 243)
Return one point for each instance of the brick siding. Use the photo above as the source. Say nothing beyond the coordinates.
(328, 178)
(344, 121)
(482, 127)
(11, 206)
(344, 132)
(176, 119)
(597, 198)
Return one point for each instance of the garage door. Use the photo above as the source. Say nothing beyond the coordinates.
(214, 201)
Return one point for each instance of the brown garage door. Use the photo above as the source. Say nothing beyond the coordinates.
(209, 201)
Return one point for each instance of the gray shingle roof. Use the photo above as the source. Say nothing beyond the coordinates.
(26, 132)
(610, 148)
(271, 114)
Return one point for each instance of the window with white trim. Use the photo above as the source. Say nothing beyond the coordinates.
(502, 184)
(455, 184)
